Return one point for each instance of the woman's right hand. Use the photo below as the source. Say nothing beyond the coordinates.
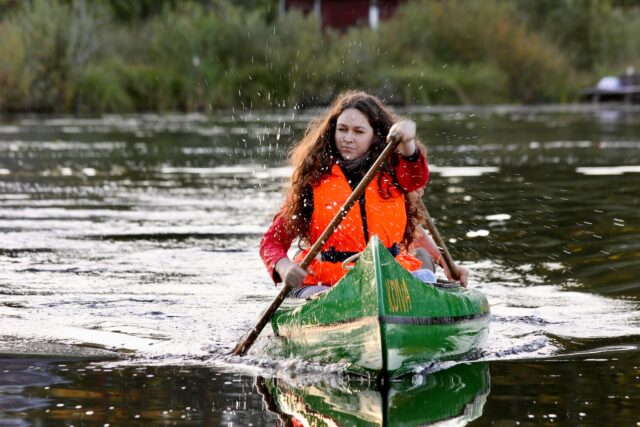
(406, 131)
(291, 273)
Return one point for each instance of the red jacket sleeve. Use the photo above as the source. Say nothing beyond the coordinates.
(412, 174)
(274, 245)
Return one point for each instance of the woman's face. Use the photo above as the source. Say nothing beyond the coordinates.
(354, 134)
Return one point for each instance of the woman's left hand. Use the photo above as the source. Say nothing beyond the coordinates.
(464, 276)
(406, 131)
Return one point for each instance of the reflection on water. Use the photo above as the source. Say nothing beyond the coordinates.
(16, 376)
(596, 390)
(457, 395)
(65, 393)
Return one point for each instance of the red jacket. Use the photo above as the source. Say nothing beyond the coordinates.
(410, 176)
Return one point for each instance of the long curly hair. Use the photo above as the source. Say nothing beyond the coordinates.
(314, 155)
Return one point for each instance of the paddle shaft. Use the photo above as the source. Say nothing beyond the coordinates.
(437, 238)
(245, 344)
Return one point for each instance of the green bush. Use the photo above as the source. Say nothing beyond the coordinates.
(593, 34)
(51, 43)
(475, 83)
(100, 88)
(87, 56)
(12, 82)
(487, 34)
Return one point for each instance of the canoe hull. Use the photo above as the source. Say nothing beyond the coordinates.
(356, 344)
(408, 346)
(379, 319)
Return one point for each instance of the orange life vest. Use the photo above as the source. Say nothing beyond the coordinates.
(385, 218)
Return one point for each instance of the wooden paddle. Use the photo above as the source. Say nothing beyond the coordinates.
(437, 238)
(245, 344)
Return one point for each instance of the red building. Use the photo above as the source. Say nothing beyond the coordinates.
(341, 14)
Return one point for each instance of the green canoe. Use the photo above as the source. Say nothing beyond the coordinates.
(381, 321)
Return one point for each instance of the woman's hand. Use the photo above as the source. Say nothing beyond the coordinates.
(464, 276)
(291, 273)
(406, 131)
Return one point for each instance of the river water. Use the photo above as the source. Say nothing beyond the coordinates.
(129, 268)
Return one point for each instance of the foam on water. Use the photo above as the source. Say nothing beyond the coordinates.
(608, 170)
(183, 304)
(463, 171)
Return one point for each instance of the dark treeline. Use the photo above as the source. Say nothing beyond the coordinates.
(87, 56)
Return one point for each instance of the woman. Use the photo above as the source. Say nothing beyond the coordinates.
(329, 162)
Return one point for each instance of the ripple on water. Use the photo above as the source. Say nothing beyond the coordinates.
(141, 233)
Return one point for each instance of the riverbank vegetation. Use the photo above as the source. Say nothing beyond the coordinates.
(81, 56)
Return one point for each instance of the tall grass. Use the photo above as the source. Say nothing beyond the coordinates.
(82, 56)
(45, 45)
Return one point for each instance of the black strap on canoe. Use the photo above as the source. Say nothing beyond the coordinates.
(332, 255)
